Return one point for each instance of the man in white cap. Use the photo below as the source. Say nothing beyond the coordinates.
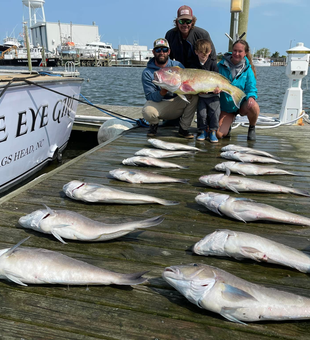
(183, 36)
(162, 104)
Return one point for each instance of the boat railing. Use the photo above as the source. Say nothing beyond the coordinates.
(70, 67)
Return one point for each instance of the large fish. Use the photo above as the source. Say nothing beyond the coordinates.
(157, 153)
(136, 176)
(150, 161)
(71, 225)
(235, 299)
(243, 149)
(159, 144)
(193, 81)
(248, 158)
(241, 245)
(42, 266)
(96, 193)
(250, 169)
(239, 184)
(246, 210)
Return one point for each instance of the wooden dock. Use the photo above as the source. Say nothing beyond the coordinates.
(153, 310)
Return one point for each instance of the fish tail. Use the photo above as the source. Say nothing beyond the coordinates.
(237, 96)
(151, 222)
(185, 181)
(131, 279)
(166, 202)
(300, 192)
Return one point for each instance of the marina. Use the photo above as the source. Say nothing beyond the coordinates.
(153, 310)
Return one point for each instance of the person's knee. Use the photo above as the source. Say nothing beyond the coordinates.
(149, 113)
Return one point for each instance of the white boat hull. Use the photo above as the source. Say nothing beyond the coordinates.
(35, 124)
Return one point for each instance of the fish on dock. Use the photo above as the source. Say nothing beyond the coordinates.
(157, 153)
(243, 149)
(41, 266)
(240, 245)
(150, 161)
(73, 226)
(248, 158)
(247, 210)
(159, 144)
(247, 169)
(97, 193)
(235, 299)
(136, 176)
(193, 81)
(239, 184)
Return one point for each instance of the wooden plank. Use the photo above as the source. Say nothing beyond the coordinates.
(153, 310)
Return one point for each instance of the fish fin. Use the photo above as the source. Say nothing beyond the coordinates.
(232, 293)
(228, 172)
(241, 173)
(50, 211)
(186, 88)
(11, 250)
(183, 97)
(226, 313)
(11, 276)
(56, 235)
(253, 253)
(237, 217)
(232, 188)
(237, 95)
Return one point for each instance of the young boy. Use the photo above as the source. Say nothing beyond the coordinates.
(208, 111)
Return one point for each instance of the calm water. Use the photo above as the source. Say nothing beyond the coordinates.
(122, 86)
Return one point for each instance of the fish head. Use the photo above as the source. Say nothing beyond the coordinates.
(224, 166)
(70, 187)
(212, 200)
(229, 147)
(212, 244)
(32, 220)
(168, 78)
(211, 180)
(194, 281)
(227, 154)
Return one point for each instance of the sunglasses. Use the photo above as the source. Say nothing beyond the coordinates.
(164, 49)
(185, 21)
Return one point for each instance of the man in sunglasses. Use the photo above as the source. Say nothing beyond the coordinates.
(183, 36)
(162, 104)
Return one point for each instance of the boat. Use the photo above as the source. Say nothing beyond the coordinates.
(37, 111)
(259, 61)
(9, 42)
(89, 50)
(134, 54)
(17, 56)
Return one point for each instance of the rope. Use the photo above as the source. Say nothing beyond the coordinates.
(140, 122)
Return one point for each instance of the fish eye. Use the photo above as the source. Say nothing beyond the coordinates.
(195, 265)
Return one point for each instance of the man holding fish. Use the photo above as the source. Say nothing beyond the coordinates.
(162, 104)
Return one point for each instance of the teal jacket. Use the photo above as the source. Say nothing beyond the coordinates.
(245, 80)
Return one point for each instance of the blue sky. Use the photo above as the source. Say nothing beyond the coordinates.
(273, 24)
